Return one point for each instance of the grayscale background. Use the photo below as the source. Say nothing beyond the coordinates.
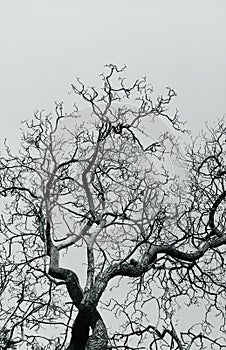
(45, 44)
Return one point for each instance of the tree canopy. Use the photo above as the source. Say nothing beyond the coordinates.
(144, 242)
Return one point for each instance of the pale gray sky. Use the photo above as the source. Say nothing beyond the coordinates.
(177, 43)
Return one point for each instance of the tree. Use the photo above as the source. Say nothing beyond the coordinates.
(98, 185)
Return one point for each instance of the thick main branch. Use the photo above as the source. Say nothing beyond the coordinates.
(87, 316)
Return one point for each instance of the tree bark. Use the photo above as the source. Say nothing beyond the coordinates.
(87, 316)
(80, 339)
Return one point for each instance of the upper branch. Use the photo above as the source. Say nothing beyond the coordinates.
(85, 182)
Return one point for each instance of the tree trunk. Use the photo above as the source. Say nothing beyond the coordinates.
(80, 339)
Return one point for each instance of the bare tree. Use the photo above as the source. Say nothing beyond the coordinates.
(99, 183)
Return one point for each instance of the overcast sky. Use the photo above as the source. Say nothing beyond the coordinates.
(177, 43)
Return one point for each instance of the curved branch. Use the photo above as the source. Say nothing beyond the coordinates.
(213, 210)
(85, 182)
(70, 277)
(138, 269)
(87, 316)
